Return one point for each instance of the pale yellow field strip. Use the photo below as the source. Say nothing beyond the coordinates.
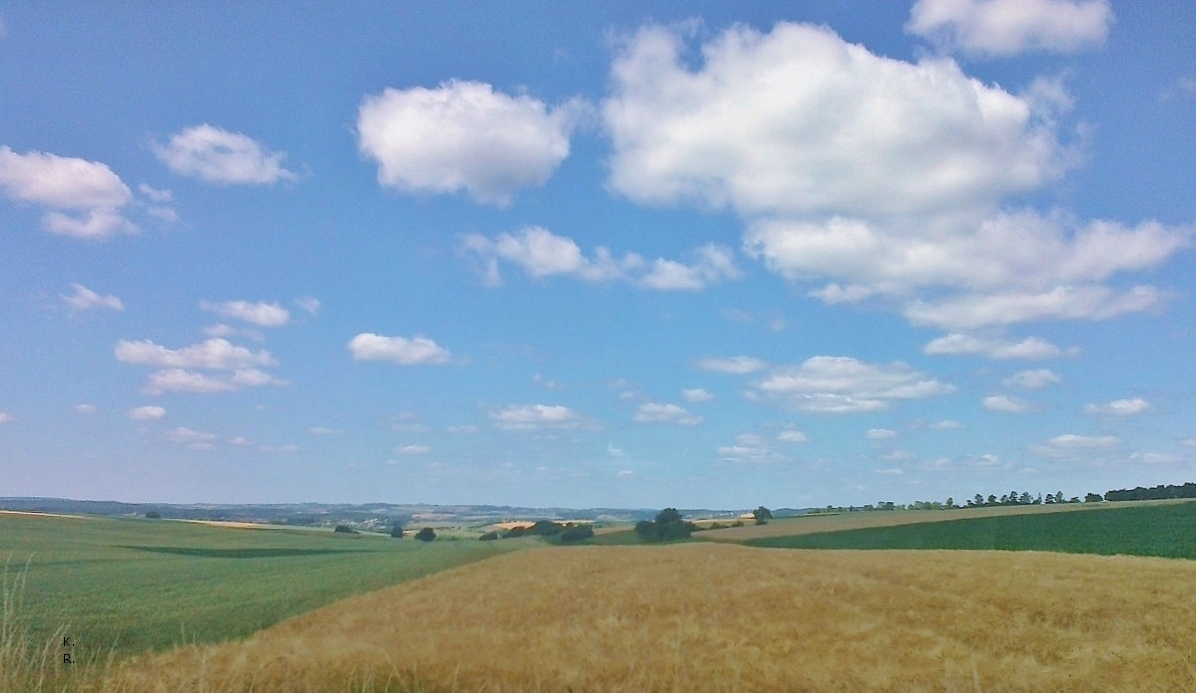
(39, 514)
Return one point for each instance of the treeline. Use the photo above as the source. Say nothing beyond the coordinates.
(1159, 492)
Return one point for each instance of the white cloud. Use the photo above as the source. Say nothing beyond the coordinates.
(652, 412)
(615, 452)
(220, 156)
(413, 450)
(525, 417)
(792, 437)
(749, 448)
(946, 425)
(323, 431)
(999, 28)
(191, 438)
(86, 299)
(540, 253)
(1071, 443)
(839, 384)
(213, 354)
(697, 395)
(180, 380)
(878, 177)
(6, 417)
(625, 474)
(737, 365)
(1184, 87)
(880, 434)
(546, 383)
(86, 409)
(1006, 404)
(1032, 380)
(148, 413)
(89, 190)
(464, 136)
(309, 304)
(405, 352)
(261, 313)
(219, 330)
(1121, 407)
(956, 344)
(154, 194)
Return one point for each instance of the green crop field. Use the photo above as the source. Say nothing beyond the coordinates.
(136, 584)
(1168, 531)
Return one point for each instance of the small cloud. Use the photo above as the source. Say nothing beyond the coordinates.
(83, 199)
(86, 409)
(546, 383)
(1005, 403)
(180, 380)
(1121, 407)
(85, 299)
(261, 313)
(1032, 380)
(154, 194)
(625, 474)
(893, 471)
(6, 417)
(946, 425)
(191, 438)
(308, 304)
(525, 417)
(739, 316)
(696, 395)
(1182, 88)
(1030, 348)
(219, 330)
(322, 431)
(149, 413)
(1073, 442)
(652, 412)
(220, 156)
(1003, 28)
(279, 448)
(405, 352)
(738, 365)
(213, 354)
(880, 434)
(1190, 442)
(461, 429)
(841, 385)
(241, 442)
(1154, 458)
(792, 437)
(613, 451)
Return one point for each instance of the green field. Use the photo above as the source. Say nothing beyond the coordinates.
(137, 584)
(1168, 531)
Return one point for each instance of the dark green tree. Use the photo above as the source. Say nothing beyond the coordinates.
(426, 534)
(396, 530)
(762, 515)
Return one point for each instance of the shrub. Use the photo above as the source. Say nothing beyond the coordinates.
(425, 534)
(154, 515)
(545, 528)
(396, 531)
(577, 533)
(668, 526)
(342, 529)
(489, 536)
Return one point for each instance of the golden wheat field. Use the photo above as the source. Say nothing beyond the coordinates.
(712, 617)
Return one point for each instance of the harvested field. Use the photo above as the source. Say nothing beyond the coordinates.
(712, 617)
(817, 524)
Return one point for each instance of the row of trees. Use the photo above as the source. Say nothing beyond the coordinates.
(1159, 492)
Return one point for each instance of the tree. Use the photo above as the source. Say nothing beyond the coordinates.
(762, 515)
(344, 529)
(425, 534)
(1093, 498)
(668, 526)
(396, 530)
(577, 533)
(154, 515)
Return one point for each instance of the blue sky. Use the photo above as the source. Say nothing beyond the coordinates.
(611, 254)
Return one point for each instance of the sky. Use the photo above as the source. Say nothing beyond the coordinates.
(617, 254)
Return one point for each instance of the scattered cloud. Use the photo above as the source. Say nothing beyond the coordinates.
(323, 431)
(213, 354)
(540, 253)
(946, 425)
(625, 474)
(1184, 87)
(413, 450)
(1006, 404)
(148, 413)
(696, 395)
(405, 352)
(240, 442)
(792, 437)
(546, 383)
(6, 417)
(652, 412)
(615, 452)
(957, 344)
(877, 177)
(891, 471)
(737, 365)
(749, 448)
(1002, 28)
(181, 380)
(261, 313)
(308, 304)
(85, 299)
(191, 438)
(1038, 379)
(220, 156)
(86, 409)
(92, 196)
(1121, 407)
(464, 136)
(840, 384)
(528, 417)
(880, 434)
(1070, 444)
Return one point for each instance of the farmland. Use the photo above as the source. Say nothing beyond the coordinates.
(1166, 530)
(712, 617)
(135, 584)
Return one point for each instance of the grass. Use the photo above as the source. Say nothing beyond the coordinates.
(128, 585)
(1167, 531)
(702, 616)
